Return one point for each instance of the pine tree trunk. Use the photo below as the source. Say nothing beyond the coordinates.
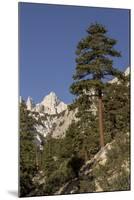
(100, 109)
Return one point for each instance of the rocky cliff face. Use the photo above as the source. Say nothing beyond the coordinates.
(29, 103)
(50, 105)
(52, 115)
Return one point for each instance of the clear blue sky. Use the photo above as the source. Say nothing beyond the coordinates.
(48, 35)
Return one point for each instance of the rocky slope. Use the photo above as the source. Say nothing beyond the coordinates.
(99, 174)
(51, 115)
(98, 169)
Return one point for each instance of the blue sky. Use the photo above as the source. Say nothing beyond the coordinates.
(48, 35)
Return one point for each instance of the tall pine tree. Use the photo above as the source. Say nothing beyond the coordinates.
(94, 66)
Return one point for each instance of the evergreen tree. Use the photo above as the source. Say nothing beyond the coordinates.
(93, 67)
(27, 151)
(117, 107)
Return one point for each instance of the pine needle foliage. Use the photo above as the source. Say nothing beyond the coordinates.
(94, 66)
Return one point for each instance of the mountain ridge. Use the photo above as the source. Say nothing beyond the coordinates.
(50, 104)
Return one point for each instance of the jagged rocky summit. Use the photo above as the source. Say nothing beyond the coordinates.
(50, 105)
(51, 114)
